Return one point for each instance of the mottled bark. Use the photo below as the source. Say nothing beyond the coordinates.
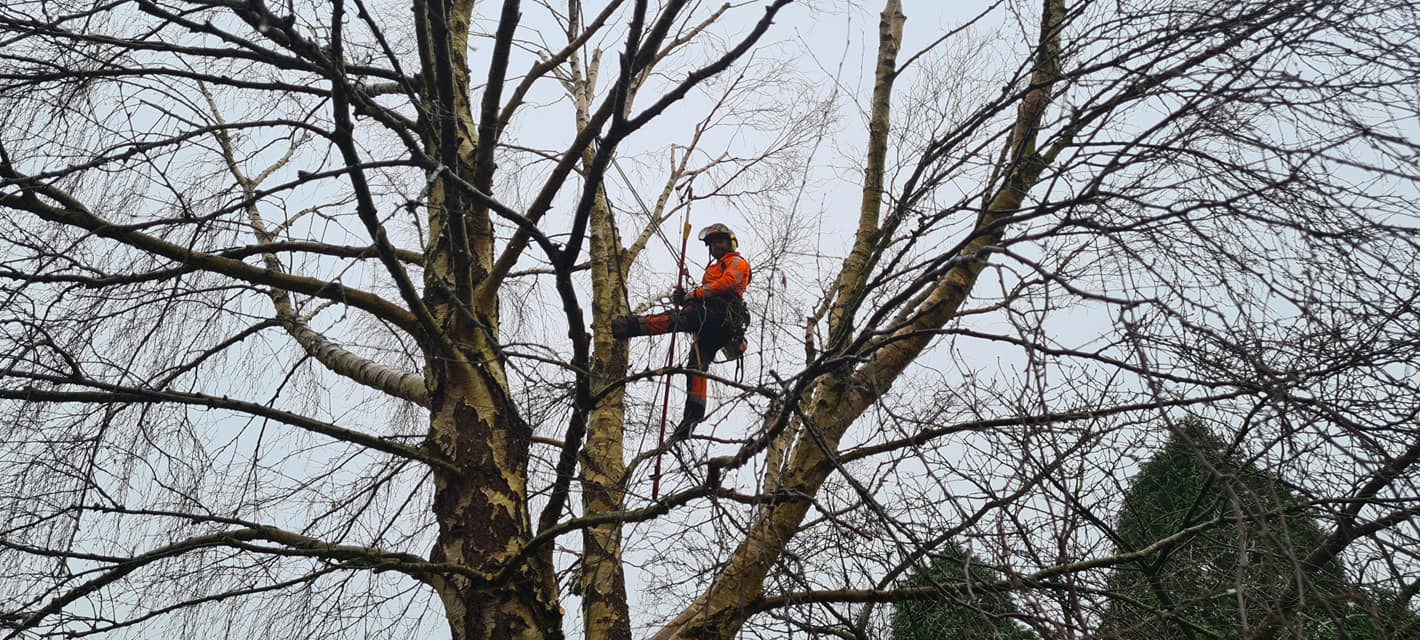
(482, 513)
(603, 579)
(603, 466)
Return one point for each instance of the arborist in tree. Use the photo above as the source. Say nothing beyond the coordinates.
(714, 312)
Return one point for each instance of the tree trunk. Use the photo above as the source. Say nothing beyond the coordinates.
(603, 579)
(481, 513)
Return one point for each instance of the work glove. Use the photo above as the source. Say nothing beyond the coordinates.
(678, 296)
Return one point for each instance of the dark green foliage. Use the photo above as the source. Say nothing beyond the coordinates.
(979, 613)
(1241, 568)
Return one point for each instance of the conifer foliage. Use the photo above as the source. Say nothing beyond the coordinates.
(1221, 544)
(971, 605)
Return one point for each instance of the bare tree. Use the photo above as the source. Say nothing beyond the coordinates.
(306, 309)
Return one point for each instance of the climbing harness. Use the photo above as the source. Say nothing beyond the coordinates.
(739, 318)
(730, 313)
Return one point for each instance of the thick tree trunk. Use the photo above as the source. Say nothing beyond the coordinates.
(603, 580)
(482, 512)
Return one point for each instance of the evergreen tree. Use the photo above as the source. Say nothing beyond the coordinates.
(1246, 559)
(979, 613)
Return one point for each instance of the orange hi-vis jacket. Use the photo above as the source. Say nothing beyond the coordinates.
(726, 276)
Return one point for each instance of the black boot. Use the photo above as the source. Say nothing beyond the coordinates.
(625, 327)
(694, 414)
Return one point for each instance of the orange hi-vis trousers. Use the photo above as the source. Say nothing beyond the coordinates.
(710, 325)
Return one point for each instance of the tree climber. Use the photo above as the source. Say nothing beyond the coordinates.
(714, 312)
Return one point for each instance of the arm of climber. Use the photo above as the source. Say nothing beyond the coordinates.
(732, 279)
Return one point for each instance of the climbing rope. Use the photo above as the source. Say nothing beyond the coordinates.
(645, 210)
(670, 353)
(687, 196)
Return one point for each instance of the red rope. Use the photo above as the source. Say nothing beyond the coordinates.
(670, 357)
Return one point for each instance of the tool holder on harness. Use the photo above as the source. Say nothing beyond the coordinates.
(738, 318)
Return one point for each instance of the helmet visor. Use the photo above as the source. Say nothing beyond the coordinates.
(715, 230)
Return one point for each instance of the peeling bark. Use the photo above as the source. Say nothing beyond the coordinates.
(482, 513)
(602, 582)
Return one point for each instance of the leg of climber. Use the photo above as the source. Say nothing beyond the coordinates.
(695, 387)
(687, 319)
(631, 326)
(626, 327)
(714, 333)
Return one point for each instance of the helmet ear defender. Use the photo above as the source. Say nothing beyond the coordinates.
(720, 229)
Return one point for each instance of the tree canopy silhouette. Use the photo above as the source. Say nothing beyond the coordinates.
(305, 307)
